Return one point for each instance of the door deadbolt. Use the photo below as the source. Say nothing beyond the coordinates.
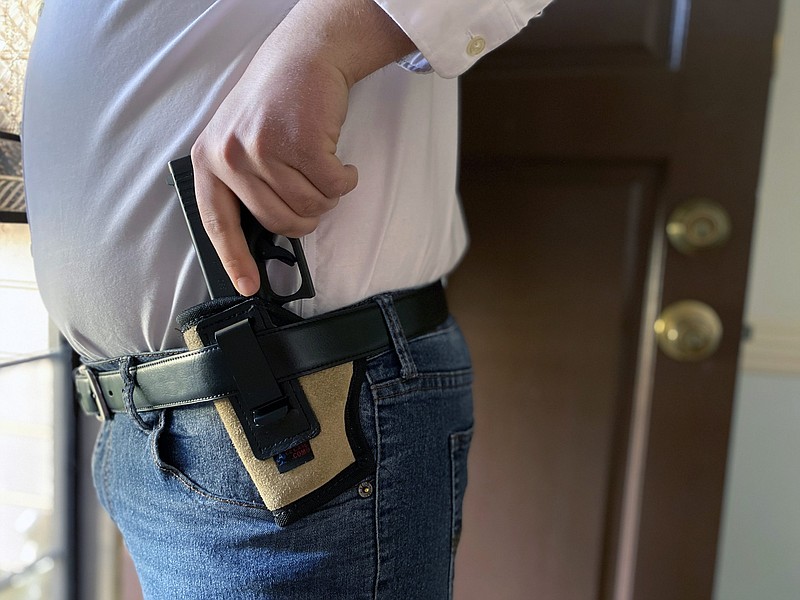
(698, 224)
(688, 331)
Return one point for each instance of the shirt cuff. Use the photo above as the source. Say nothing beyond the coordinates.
(451, 35)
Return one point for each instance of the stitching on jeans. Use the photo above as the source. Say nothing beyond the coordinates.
(186, 482)
(457, 444)
(424, 383)
(106, 468)
(455, 377)
(183, 479)
(453, 488)
(421, 389)
(155, 435)
(397, 337)
(378, 488)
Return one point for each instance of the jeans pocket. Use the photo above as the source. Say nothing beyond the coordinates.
(459, 449)
(193, 446)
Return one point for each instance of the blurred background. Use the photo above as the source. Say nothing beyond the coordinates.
(637, 353)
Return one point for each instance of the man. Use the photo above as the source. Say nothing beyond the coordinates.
(317, 117)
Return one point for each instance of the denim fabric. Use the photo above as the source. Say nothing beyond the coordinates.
(196, 527)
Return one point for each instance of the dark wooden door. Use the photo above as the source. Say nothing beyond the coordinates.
(598, 463)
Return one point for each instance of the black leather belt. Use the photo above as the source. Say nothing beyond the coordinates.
(196, 376)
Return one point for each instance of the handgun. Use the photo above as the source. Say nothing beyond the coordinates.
(261, 242)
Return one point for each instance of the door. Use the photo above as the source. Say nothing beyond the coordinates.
(598, 462)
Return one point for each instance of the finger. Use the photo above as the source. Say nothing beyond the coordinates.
(269, 208)
(297, 191)
(330, 176)
(220, 212)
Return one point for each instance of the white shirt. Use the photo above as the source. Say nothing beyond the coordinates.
(115, 90)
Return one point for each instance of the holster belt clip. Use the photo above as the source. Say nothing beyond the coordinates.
(275, 415)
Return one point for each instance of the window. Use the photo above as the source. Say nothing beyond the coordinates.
(55, 541)
(32, 475)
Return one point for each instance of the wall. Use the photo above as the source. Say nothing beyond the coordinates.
(760, 541)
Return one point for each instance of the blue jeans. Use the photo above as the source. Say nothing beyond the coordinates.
(196, 527)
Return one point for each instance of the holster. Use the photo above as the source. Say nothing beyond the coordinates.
(299, 438)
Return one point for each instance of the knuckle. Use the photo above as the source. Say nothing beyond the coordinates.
(233, 266)
(232, 153)
(305, 157)
(311, 206)
(302, 164)
(228, 152)
(215, 225)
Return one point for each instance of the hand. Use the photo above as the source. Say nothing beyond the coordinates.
(272, 142)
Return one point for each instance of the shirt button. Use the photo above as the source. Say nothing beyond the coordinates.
(476, 45)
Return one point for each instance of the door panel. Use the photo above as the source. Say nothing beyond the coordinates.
(555, 295)
(598, 463)
(586, 33)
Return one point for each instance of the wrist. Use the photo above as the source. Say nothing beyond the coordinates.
(355, 36)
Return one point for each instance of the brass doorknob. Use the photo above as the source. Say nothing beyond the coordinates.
(688, 331)
(698, 224)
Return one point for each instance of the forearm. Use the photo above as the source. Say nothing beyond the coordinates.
(355, 36)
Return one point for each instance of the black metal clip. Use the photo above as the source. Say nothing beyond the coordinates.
(274, 416)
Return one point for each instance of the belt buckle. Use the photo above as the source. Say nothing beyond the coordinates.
(96, 392)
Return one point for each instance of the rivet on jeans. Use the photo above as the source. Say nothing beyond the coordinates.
(365, 489)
